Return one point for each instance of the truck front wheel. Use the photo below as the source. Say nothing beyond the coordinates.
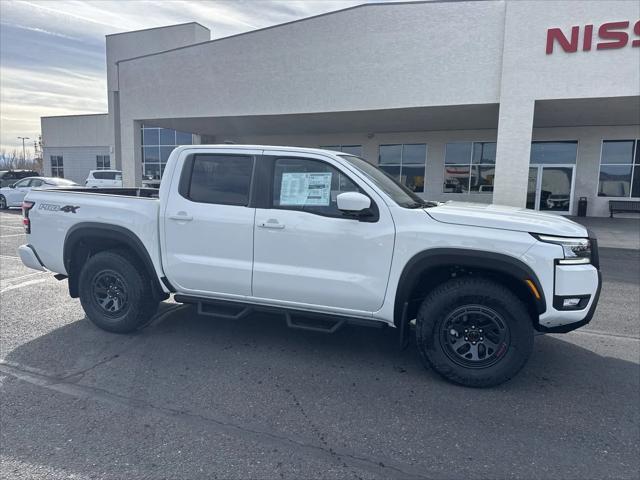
(474, 332)
(115, 292)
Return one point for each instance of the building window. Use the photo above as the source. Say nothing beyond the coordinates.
(57, 167)
(157, 145)
(406, 163)
(619, 169)
(350, 149)
(560, 153)
(103, 162)
(469, 167)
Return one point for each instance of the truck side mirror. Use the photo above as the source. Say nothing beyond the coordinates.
(353, 202)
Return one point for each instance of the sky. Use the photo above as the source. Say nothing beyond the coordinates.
(52, 52)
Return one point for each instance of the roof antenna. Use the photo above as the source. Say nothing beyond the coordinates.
(229, 142)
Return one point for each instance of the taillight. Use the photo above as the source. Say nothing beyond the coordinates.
(26, 206)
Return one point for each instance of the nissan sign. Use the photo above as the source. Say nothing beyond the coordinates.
(609, 35)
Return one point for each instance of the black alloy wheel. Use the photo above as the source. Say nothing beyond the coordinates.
(474, 336)
(110, 292)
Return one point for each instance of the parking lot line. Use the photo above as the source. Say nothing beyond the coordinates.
(23, 284)
(598, 333)
(25, 276)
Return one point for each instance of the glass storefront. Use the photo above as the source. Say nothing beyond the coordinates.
(351, 149)
(157, 145)
(469, 167)
(406, 163)
(619, 169)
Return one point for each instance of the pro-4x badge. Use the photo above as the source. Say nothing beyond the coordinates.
(69, 208)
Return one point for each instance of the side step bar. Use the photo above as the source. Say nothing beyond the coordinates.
(301, 320)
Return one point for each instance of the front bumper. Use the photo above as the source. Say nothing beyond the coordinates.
(30, 258)
(567, 327)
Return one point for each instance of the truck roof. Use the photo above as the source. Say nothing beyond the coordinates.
(233, 146)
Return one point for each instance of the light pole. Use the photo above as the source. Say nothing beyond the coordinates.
(24, 152)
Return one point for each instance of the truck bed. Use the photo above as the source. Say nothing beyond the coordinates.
(56, 212)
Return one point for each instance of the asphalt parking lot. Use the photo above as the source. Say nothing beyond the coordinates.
(196, 397)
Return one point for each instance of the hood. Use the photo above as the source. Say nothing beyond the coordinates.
(506, 218)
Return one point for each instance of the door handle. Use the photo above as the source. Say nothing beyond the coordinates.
(272, 223)
(181, 217)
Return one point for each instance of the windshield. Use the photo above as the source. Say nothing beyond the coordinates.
(385, 182)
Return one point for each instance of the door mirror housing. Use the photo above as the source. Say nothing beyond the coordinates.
(13, 185)
(353, 202)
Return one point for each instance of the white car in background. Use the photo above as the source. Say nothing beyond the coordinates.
(13, 195)
(104, 179)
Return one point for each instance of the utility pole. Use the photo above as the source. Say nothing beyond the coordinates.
(24, 152)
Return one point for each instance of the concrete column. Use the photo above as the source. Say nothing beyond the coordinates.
(114, 129)
(513, 151)
(131, 148)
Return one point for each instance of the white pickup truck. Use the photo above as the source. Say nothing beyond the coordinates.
(325, 238)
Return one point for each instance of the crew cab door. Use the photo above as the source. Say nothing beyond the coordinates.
(208, 225)
(307, 252)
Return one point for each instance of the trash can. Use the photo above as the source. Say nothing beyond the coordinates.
(582, 207)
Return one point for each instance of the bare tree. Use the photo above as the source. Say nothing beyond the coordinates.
(10, 160)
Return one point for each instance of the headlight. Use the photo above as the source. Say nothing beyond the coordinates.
(576, 250)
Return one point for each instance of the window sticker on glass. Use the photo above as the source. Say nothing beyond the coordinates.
(304, 188)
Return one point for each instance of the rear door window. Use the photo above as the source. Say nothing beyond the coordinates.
(104, 175)
(217, 178)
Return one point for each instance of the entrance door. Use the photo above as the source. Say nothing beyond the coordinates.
(550, 188)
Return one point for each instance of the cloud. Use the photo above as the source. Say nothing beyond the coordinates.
(52, 54)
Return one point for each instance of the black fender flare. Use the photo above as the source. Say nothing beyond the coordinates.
(114, 233)
(488, 261)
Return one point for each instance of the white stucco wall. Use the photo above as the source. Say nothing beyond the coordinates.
(78, 161)
(75, 130)
(133, 44)
(386, 56)
(78, 139)
(529, 74)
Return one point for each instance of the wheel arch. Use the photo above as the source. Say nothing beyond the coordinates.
(88, 238)
(430, 267)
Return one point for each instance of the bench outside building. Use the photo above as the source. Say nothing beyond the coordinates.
(623, 206)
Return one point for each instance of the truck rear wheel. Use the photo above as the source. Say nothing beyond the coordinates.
(474, 332)
(115, 292)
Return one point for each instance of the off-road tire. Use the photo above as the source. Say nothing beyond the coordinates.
(450, 297)
(141, 302)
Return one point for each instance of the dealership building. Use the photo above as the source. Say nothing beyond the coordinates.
(522, 103)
